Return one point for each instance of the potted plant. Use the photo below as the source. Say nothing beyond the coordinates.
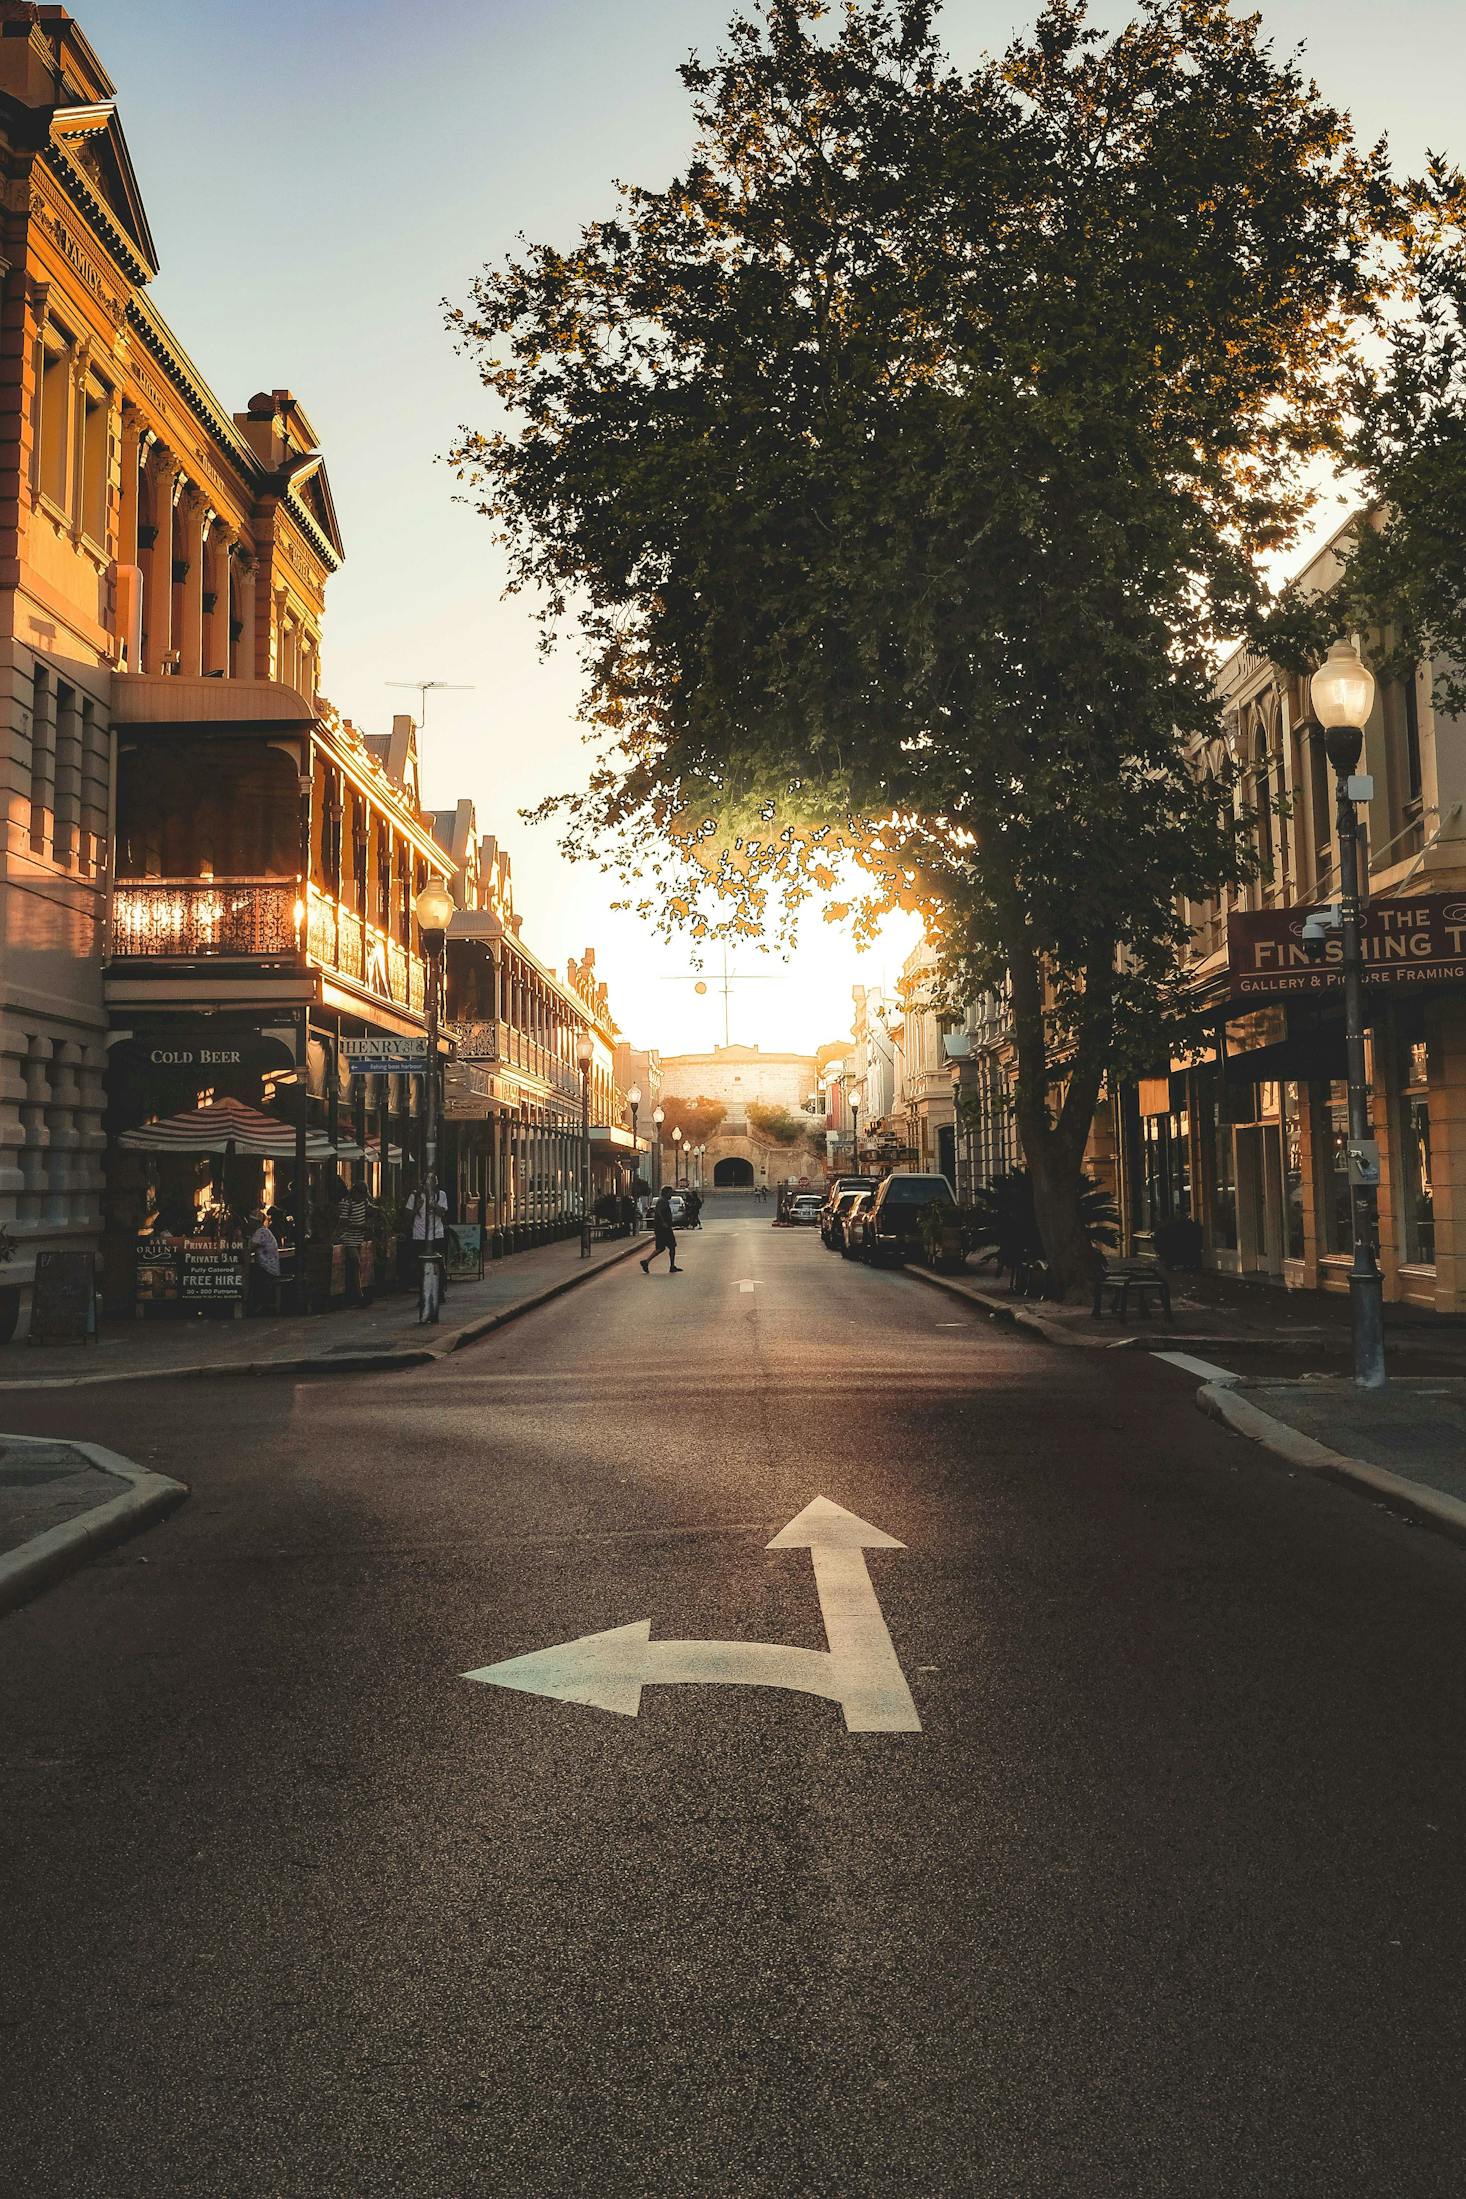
(9, 1292)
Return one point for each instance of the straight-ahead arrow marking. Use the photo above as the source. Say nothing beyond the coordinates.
(859, 1670)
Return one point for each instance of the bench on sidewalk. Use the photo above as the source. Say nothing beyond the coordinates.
(1144, 1281)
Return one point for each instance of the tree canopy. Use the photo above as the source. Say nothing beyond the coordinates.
(902, 464)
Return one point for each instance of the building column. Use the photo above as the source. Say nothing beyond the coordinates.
(194, 521)
(128, 510)
(155, 553)
(243, 640)
(218, 551)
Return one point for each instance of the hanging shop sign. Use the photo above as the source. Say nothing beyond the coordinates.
(392, 1057)
(468, 1093)
(1420, 941)
(205, 1052)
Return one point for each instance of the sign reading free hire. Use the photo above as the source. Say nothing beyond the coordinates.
(1419, 941)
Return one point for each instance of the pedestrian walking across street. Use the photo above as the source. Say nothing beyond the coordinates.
(664, 1234)
(692, 1207)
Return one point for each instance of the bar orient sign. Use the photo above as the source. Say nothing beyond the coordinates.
(1419, 941)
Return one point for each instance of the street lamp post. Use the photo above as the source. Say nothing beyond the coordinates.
(659, 1116)
(434, 910)
(676, 1155)
(583, 1055)
(855, 1130)
(1343, 696)
(633, 1101)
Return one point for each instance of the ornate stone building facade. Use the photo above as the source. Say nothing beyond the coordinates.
(146, 534)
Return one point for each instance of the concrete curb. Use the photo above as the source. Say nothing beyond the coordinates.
(341, 1362)
(45, 1558)
(1223, 1403)
(1016, 1314)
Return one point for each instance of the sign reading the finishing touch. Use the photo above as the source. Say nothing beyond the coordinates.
(366, 1057)
(1421, 941)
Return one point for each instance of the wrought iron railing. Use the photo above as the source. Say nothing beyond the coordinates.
(189, 916)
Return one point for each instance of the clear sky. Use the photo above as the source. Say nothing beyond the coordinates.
(320, 173)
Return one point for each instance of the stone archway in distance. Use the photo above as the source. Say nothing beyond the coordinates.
(733, 1173)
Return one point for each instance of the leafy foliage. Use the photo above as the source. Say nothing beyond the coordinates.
(777, 1124)
(902, 462)
(697, 1119)
(1003, 1219)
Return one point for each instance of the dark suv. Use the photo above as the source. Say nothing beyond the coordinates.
(889, 1227)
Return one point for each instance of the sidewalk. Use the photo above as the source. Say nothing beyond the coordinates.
(62, 1502)
(356, 1340)
(1259, 1327)
(1407, 1442)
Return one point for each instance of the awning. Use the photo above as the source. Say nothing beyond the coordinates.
(231, 1125)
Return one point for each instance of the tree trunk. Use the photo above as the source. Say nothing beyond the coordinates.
(1054, 1149)
(1054, 1171)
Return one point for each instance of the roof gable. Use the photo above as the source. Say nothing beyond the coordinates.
(89, 134)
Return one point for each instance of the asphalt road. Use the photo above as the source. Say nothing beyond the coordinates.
(1165, 1897)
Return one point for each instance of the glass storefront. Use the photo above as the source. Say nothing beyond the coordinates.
(1292, 1122)
(1417, 1202)
(1335, 1199)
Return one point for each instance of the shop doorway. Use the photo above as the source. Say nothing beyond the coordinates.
(1260, 1198)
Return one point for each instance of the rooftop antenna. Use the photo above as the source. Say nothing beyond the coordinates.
(729, 979)
(424, 688)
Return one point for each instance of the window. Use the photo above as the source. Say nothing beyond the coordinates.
(1412, 737)
(53, 440)
(66, 806)
(1417, 1196)
(95, 435)
(43, 758)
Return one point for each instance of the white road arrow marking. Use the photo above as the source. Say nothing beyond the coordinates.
(745, 1286)
(859, 1670)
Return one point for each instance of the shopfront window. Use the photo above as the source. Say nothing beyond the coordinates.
(1417, 1196)
(1336, 1199)
(1292, 1122)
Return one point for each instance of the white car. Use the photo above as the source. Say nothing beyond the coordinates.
(806, 1207)
(647, 1205)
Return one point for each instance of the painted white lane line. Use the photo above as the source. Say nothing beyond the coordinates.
(1202, 1368)
(859, 1670)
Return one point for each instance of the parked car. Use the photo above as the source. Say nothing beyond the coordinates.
(888, 1228)
(848, 1222)
(647, 1204)
(838, 1188)
(806, 1208)
(834, 1212)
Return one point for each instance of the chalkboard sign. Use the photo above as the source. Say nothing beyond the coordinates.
(212, 1274)
(63, 1298)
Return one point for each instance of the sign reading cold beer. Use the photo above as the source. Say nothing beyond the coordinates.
(1421, 941)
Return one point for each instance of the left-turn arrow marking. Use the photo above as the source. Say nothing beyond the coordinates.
(859, 1670)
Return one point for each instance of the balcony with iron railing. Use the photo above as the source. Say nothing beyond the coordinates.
(191, 919)
(490, 1039)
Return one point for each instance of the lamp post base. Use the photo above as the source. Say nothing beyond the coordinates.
(429, 1287)
(1367, 1318)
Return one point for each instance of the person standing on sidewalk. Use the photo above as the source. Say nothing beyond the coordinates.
(692, 1201)
(664, 1234)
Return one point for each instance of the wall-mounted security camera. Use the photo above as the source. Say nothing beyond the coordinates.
(1318, 927)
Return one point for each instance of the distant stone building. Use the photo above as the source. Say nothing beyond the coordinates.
(740, 1153)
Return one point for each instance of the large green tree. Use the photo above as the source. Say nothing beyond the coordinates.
(901, 464)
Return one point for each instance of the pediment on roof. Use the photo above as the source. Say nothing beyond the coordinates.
(311, 491)
(90, 136)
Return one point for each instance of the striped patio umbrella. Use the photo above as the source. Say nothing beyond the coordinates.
(229, 1125)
